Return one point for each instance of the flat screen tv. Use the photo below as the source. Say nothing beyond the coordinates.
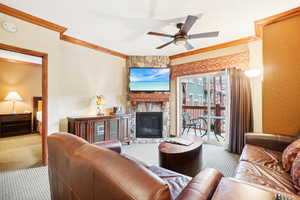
(149, 79)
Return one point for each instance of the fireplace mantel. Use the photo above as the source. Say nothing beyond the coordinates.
(135, 98)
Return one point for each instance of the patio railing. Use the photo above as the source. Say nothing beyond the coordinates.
(200, 111)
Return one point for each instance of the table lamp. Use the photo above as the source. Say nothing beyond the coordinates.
(100, 103)
(13, 97)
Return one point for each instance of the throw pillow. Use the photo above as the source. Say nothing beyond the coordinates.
(295, 172)
(289, 154)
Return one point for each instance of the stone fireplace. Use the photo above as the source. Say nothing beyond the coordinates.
(149, 103)
(149, 124)
(157, 102)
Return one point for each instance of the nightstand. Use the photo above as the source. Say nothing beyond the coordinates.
(15, 124)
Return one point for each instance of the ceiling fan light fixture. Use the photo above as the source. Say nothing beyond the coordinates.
(181, 37)
(180, 42)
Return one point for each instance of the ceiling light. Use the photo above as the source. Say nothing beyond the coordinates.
(180, 42)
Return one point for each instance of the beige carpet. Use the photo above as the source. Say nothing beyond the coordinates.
(213, 156)
(20, 152)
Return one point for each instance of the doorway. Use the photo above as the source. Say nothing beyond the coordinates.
(202, 106)
(44, 81)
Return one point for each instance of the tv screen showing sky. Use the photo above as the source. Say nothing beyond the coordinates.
(149, 79)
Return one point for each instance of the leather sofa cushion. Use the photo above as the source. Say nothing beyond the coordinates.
(295, 172)
(176, 182)
(107, 175)
(289, 154)
(253, 173)
(263, 157)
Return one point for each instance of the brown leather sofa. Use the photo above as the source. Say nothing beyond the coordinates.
(82, 171)
(261, 162)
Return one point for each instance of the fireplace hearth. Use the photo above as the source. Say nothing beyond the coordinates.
(149, 124)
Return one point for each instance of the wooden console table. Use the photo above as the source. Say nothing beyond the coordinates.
(15, 124)
(100, 128)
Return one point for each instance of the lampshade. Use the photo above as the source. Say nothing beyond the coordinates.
(13, 96)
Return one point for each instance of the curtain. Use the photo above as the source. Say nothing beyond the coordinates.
(241, 114)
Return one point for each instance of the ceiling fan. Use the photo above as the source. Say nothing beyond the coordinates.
(182, 37)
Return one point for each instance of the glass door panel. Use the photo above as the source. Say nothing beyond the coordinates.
(99, 131)
(218, 109)
(194, 106)
(113, 129)
(203, 106)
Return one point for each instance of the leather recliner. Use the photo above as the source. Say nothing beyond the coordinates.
(82, 171)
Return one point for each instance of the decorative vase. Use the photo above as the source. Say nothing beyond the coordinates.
(99, 111)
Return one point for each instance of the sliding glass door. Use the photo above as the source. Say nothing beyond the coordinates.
(202, 106)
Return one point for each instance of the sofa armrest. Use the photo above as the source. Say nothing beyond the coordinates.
(113, 145)
(202, 186)
(274, 142)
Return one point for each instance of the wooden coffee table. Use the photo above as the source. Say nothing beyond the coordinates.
(182, 159)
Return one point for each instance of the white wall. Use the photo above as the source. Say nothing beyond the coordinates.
(84, 74)
(74, 73)
(256, 62)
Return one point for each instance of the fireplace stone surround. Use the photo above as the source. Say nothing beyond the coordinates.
(153, 102)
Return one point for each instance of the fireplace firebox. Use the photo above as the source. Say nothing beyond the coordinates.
(149, 124)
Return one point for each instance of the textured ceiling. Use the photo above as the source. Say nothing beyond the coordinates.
(122, 25)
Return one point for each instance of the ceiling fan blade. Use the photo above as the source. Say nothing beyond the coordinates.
(204, 35)
(189, 22)
(160, 34)
(162, 46)
(188, 46)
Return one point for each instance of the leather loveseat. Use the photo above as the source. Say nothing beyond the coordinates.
(261, 162)
(82, 171)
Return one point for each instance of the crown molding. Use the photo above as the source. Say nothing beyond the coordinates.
(215, 47)
(30, 18)
(91, 46)
(260, 24)
(54, 27)
(19, 62)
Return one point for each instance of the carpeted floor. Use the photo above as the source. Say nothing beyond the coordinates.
(32, 184)
(20, 152)
(25, 184)
(213, 156)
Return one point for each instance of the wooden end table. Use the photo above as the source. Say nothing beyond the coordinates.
(182, 159)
